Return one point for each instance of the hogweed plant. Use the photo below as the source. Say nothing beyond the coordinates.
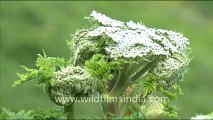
(118, 61)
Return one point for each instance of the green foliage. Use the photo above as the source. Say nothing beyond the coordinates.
(170, 109)
(134, 115)
(47, 66)
(173, 92)
(177, 89)
(90, 117)
(101, 68)
(44, 74)
(148, 85)
(172, 96)
(22, 114)
(32, 114)
(30, 74)
(48, 115)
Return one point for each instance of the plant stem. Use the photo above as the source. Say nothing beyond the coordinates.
(142, 71)
(69, 110)
(112, 110)
(121, 82)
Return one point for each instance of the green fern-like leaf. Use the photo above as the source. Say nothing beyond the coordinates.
(170, 95)
(149, 86)
(171, 110)
(32, 114)
(99, 67)
(22, 114)
(44, 74)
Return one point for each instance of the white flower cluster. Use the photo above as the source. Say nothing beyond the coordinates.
(135, 26)
(202, 117)
(134, 39)
(106, 21)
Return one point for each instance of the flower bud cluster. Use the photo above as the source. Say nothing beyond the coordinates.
(171, 69)
(74, 82)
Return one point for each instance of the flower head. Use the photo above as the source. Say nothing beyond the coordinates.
(130, 40)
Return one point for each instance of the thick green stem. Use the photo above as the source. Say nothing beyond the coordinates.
(101, 87)
(127, 75)
(142, 71)
(112, 109)
(119, 87)
(121, 82)
(135, 67)
(112, 82)
(69, 110)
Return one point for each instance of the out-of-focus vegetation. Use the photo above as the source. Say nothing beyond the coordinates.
(32, 114)
(28, 27)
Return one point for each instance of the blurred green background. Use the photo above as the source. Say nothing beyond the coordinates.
(28, 27)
